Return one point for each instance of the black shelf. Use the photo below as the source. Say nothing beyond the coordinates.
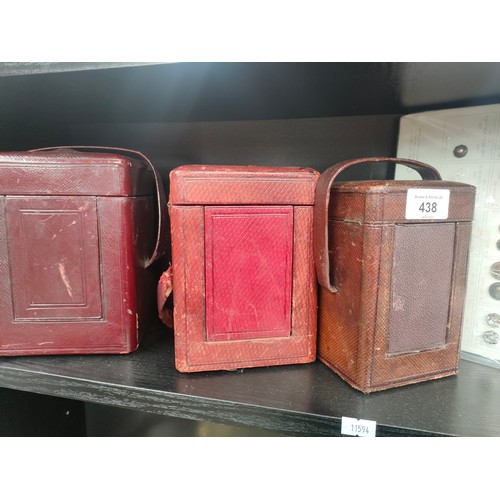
(307, 400)
(309, 114)
(42, 101)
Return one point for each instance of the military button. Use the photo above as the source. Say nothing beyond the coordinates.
(495, 290)
(495, 270)
(460, 151)
(491, 337)
(493, 319)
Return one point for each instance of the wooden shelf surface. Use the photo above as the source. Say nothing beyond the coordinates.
(305, 400)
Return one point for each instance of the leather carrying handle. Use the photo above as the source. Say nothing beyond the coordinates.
(322, 202)
(161, 239)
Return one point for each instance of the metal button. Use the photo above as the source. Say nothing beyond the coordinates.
(495, 270)
(460, 151)
(491, 337)
(493, 319)
(495, 290)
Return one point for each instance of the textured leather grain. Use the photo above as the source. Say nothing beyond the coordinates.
(77, 232)
(222, 185)
(322, 205)
(248, 271)
(128, 182)
(418, 279)
(392, 290)
(244, 288)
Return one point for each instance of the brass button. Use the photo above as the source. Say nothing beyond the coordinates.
(460, 151)
(495, 290)
(495, 270)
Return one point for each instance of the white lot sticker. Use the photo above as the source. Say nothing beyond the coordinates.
(427, 203)
(354, 427)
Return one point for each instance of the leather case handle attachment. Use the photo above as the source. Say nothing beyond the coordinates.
(163, 291)
(161, 239)
(322, 201)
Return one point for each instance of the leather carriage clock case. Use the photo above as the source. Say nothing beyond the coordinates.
(244, 286)
(391, 260)
(77, 236)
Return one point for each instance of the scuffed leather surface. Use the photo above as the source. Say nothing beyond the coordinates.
(322, 204)
(193, 352)
(242, 185)
(73, 173)
(132, 179)
(120, 229)
(126, 288)
(357, 301)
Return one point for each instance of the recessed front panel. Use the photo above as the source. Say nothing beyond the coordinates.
(248, 251)
(421, 286)
(54, 258)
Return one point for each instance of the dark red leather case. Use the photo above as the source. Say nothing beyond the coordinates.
(77, 234)
(391, 258)
(244, 286)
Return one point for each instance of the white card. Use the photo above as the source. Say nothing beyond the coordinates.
(427, 204)
(354, 427)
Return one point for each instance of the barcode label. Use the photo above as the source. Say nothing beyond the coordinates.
(427, 203)
(355, 427)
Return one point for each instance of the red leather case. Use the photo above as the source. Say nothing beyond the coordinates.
(244, 288)
(392, 270)
(77, 234)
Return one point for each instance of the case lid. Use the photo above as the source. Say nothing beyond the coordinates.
(242, 185)
(428, 201)
(70, 172)
(401, 201)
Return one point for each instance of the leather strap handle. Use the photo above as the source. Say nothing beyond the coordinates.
(161, 238)
(322, 202)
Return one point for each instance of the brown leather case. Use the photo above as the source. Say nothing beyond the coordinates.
(77, 235)
(244, 286)
(392, 272)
